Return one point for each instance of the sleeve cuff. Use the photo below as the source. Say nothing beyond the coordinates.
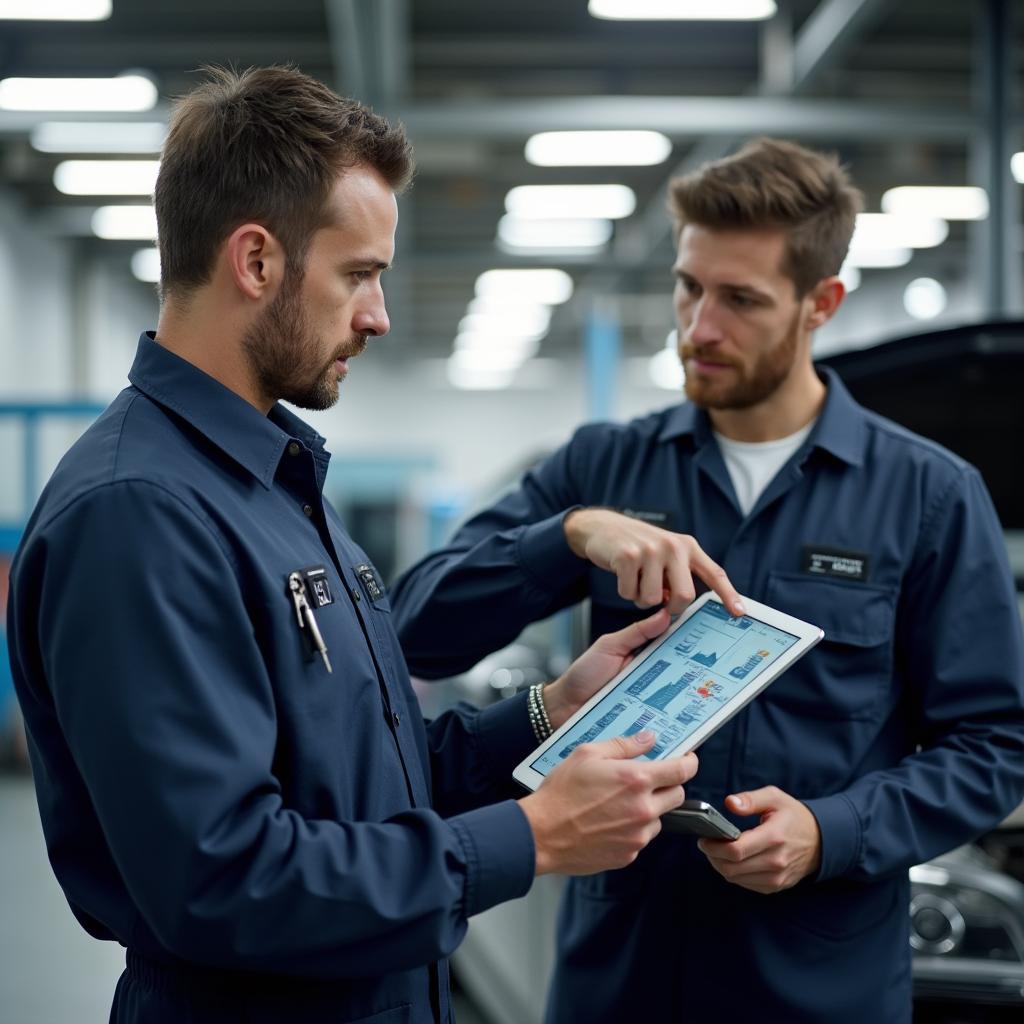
(841, 834)
(500, 857)
(504, 735)
(544, 553)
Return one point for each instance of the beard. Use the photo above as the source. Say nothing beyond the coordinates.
(285, 354)
(752, 386)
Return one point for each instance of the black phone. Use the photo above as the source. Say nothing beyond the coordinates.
(696, 817)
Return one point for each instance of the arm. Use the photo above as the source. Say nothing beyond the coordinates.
(528, 556)
(959, 648)
(506, 567)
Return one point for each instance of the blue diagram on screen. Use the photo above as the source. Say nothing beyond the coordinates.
(705, 664)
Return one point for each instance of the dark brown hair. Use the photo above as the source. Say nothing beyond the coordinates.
(264, 145)
(774, 184)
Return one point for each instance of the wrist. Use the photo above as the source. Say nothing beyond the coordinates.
(533, 811)
(559, 708)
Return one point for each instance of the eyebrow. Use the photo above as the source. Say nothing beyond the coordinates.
(748, 289)
(370, 262)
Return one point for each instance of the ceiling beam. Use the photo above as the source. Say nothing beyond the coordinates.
(829, 32)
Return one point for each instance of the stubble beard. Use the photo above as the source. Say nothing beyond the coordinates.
(763, 380)
(284, 353)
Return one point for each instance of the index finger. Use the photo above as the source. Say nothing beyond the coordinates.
(717, 579)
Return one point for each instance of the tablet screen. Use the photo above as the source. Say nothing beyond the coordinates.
(699, 670)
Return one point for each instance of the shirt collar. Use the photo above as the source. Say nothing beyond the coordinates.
(840, 429)
(256, 442)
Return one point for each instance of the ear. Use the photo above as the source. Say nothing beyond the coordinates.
(255, 261)
(823, 301)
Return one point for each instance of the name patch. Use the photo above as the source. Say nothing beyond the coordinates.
(646, 516)
(844, 565)
(317, 586)
(370, 581)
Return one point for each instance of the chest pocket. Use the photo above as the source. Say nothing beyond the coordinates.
(848, 673)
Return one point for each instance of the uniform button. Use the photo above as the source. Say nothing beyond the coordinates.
(307, 510)
(294, 448)
(396, 718)
(355, 595)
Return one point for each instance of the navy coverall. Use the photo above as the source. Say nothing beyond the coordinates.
(272, 842)
(903, 731)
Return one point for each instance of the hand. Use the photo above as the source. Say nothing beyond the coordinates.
(652, 565)
(598, 809)
(775, 855)
(604, 658)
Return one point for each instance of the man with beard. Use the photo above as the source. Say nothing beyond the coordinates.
(234, 779)
(897, 738)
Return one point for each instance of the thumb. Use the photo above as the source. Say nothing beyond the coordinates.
(626, 747)
(755, 801)
(636, 635)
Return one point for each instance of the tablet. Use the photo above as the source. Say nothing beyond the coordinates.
(683, 685)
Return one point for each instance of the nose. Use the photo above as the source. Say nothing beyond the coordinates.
(702, 328)
(372, 316)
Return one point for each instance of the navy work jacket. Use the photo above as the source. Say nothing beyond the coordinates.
(903, 731)
(272, 842)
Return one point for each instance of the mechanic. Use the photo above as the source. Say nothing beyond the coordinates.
(234, 778)
(897, 738)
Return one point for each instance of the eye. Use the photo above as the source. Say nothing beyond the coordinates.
(362, 275)
(742, 301)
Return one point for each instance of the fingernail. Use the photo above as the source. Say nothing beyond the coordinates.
(740, 801)
(740, 608)
(644, 736)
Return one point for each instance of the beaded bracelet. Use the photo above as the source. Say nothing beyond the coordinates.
(538, 713)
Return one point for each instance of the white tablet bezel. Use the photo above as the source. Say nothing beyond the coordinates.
(807, 636)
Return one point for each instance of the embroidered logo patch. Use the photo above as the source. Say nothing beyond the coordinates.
(844, 565)
(370, 581)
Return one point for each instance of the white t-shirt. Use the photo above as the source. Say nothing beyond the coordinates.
(752, 465)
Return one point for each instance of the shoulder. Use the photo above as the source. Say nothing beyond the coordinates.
(135, 454)
(604, 435)
(892, 445)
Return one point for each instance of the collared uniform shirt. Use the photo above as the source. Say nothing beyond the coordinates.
(903, 731)
(270, 841)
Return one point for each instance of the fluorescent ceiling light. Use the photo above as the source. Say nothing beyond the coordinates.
(665, 368)
(548, 286)
(106, 177)
(146, 265)
(99, 136)
(470, 379)
(489, 358)
(950, 202)
(562, 234)
(496, 351)
(54, 10)
(126, 93)
(889, 231)
(682, 10)
(117, 222)
(878, 258)
(924, 298)
(547, 202)
(598, 149)
(1017, 167)
(500, 305)
(531, 322)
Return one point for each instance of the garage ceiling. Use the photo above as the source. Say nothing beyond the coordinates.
(890, 85)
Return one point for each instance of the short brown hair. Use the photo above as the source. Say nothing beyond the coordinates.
(264, 145)
(774, 184)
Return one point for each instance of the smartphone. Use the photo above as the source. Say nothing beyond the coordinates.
(700, 819)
